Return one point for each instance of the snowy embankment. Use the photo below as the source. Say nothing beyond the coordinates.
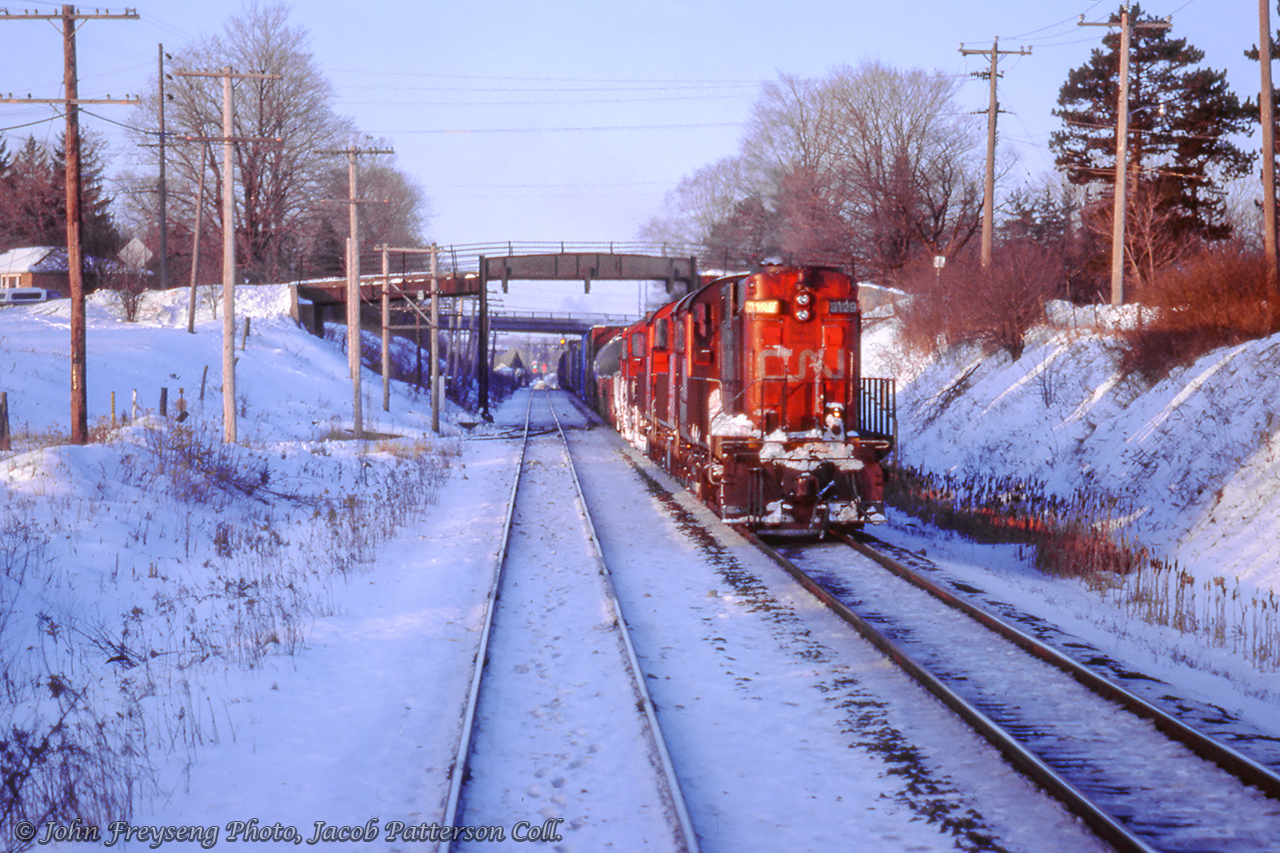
(146, 576)
(1192, 459)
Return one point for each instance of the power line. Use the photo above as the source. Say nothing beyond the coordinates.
(579, 129)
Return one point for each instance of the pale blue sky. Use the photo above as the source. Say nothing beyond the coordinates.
(564, 120)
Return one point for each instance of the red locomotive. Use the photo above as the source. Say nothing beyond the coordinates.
(750, 391)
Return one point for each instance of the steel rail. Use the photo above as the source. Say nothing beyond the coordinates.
(1242, 767)
(1100, 822)
(458, 771)
(688, 836)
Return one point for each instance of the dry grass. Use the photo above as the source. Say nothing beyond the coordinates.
(1084, 538)
(1220, 297)
(247, 554)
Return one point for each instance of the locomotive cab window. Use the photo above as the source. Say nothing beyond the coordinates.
(703, 334)
(661, 334)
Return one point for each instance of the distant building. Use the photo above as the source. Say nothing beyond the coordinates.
(35, 266)
(46, 267)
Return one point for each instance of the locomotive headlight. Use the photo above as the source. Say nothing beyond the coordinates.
(802, 314)
(833, 420)
(803, 298)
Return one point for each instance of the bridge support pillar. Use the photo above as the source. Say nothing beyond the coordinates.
(482, 344)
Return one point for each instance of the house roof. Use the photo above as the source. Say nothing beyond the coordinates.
(33, 259)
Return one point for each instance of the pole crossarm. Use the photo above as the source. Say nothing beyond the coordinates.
(275, 140)
(77, 101)
(333, 152)
(127, 15)
(236, 75)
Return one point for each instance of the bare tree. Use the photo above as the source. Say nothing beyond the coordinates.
(871, 164)
(992, 307)
(283, 190)
(394, 213)
(1152, 239)
(699, 203)
(911, 177)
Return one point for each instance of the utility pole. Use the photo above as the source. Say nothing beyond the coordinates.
(228, 238)
(437, 389)
(433, 250)
(353, 281)
(1265, 100)
(1122, 145)
(195, 243)
(75, 258)
(989, 186)
(164, 190)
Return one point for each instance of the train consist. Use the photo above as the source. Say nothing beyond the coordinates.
(750, 391)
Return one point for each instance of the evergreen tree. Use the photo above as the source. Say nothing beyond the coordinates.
(99, 237)
(34, 204)
(33, 207)
(1181, 118)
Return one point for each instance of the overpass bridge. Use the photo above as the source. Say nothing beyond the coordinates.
(538, 322)
(407, 291)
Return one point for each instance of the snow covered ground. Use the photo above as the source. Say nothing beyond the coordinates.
(1195, 458)
(148, 586)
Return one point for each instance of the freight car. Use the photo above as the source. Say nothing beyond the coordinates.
(750, 391)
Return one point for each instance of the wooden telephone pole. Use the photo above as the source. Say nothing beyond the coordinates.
(1265, 101)
(989, 187)
(1122, 144)
(229, 237)
(353, 281)
(75, 257)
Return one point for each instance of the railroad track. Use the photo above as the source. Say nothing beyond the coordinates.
(555, 665)
(1139, 778)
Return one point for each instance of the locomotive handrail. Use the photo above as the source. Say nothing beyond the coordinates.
(878, 419)
(884, 424)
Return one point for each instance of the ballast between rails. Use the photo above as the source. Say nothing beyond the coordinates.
(1242, 767)
(458, 772)
(1102, 823)
(512, 566)
(688, 835)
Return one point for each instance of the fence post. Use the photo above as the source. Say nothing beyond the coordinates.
(164, 402)
(5, 442)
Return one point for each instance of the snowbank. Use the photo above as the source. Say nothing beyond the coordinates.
(292, 384)
(1194, 457)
